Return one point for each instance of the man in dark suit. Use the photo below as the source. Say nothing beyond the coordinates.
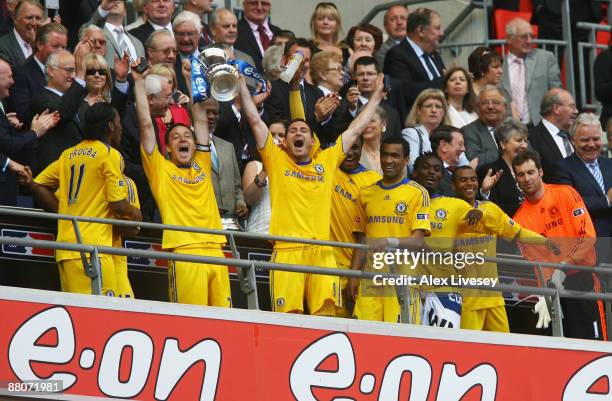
(187, 27)
(447, 143)
(64, 93)
(233, 128)
(255, 31)
(395, 19)
(550, 138)
(17, 45)
(16, 145)
(415, 61)
(588, 172)
(30, 79)
(159, 16)
(479, 134)
(276, 107)
(161, 48)
(223, 30)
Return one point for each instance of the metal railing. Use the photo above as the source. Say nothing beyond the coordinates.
(246, 268)
(592, 47)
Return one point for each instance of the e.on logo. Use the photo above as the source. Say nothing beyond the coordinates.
(304, 376)
(174, 363)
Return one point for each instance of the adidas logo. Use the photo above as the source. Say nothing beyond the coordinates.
(387, 197)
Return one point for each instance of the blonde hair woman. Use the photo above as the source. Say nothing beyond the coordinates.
(98, 79)
(326, 27)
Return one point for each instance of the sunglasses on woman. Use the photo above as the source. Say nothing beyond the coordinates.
(92, 71)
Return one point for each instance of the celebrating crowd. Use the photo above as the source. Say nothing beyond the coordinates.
(372, 140)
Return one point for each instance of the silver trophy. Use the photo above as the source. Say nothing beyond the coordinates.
(222, 78)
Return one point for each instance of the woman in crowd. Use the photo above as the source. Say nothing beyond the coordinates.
(364, 40)
(255, 186)
(326, 26)
(326, 72)
(511, 138)
(428, 112)
(177, 113)
(486, 67)
(372, 137)
(460, 97)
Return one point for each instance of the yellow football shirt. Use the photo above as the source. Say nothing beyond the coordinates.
(87, 178)
(184, 196)
(134, 201)
(344, 207)
(300, 193)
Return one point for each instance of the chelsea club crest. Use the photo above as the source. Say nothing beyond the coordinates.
(319, 168)
(400, 208)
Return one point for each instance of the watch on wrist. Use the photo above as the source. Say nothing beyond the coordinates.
(259, 183)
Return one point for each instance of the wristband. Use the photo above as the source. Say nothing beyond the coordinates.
(393, 243)
(258, 183)
(202, 148)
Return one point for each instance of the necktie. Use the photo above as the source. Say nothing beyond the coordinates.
(431, 68)
(123, 48)
(1, 108)
(214, 158)
(596, 172)
(492, 132)
(265, 40)
(28, 50)
(566, 143)
(518, 88)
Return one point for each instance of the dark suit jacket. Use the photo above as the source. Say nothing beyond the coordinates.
(545, 145)
(69, 130)
(572, 171)
(142, 32)
(277, 105)
(237, 133)
(87, 8)
(20, 146)
(479, 143)
(402, 63)
(29, 81)
(446, 185)
(247, 43)
(505, 193)
(10, 51)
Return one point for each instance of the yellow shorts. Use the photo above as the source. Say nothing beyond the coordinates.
(74, 279)
(386, 308)
(342, 311)
(288, 290)
(124, 288)
(487, 319)
(198, 283)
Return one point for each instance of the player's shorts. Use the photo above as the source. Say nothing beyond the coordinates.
(386, 308)
(442, 309)
(487, 319)
(199, 283)
(344, 310)
(74, 279)
(288, 289)
(583, 318)
(124, 288)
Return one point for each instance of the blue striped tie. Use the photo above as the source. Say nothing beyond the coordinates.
(594, 167)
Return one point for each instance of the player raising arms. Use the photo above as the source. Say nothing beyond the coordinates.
(301, 183)
(87, 181)
(184, 195)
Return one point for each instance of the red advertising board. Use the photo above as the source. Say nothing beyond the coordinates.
(154, 351)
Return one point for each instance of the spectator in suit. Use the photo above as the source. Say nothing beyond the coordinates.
(588, 172)
(187, 27)
(109, 16)
(30, 79)
(530, 73)
(95, 35)
(158, 15)
(16, 145)
(254, 30)
(223, 28)
(497, 182)
(550, 138)
(479, 135)
(276, 106)
(415, 61)
(225, 172)
(64, 93)
(201, 8)
(395, 25)
(447, 143)
(460, 97)
(602, 73)
(428, 113)
(16, 46)
(325, 27)
(161, 48)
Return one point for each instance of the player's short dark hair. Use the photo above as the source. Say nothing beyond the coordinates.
(442, 133)
(397, 140)
(461, 168)
(366, 60)
(295, 120)
(43, 33)
(524, 157)
(300, 42)
(427, 155)
(173, 126)
(97, 118)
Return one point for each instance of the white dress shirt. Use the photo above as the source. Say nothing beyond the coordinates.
(255, 29)
(126, 39)
(554, 133)
(167, 27)
(25, 47)
(419, 52)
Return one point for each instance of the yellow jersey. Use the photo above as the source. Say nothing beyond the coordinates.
(300, 193)
(185, 197)
(87, 177)
(392, 211)
(134, 201)
(344, 207)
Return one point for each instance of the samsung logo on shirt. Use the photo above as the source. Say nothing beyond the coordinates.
(385, 220)
(190, 181)
(300, 176)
